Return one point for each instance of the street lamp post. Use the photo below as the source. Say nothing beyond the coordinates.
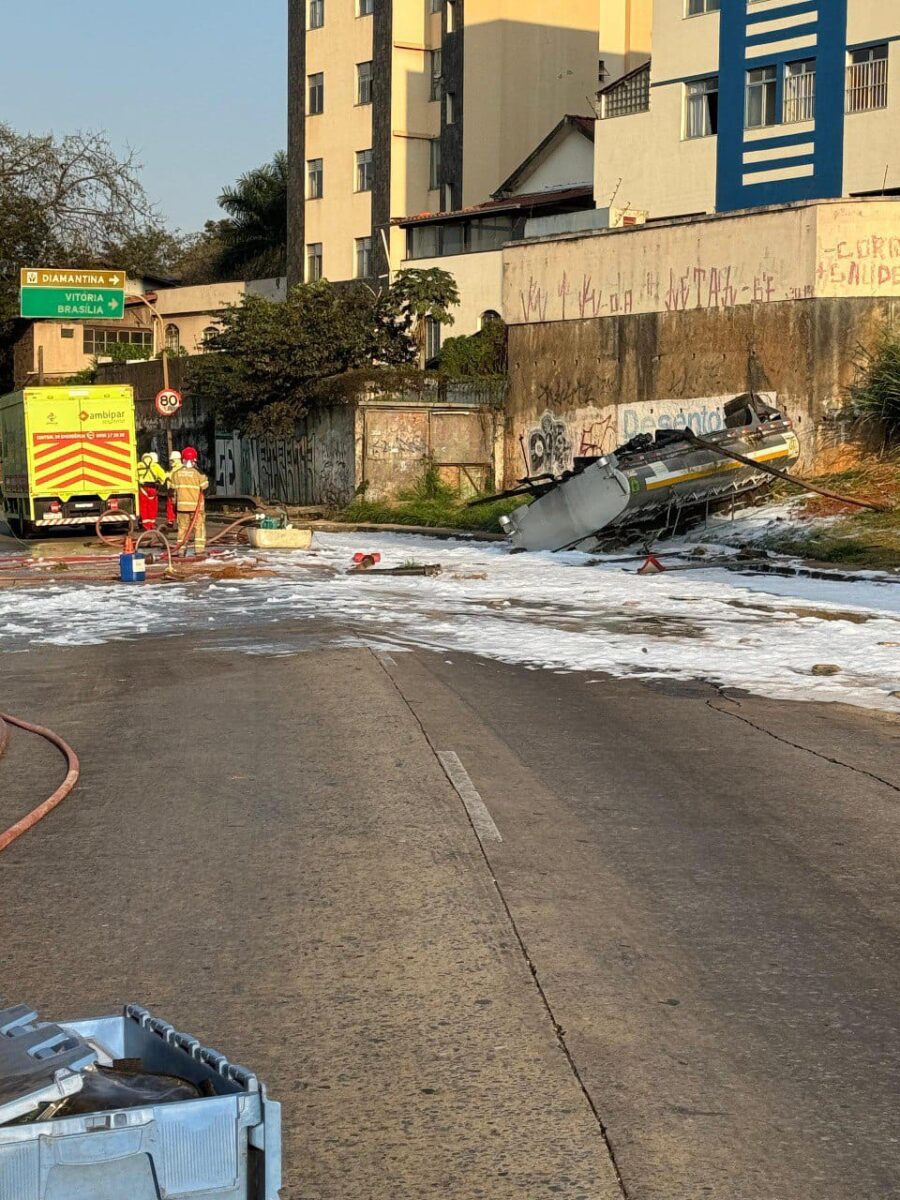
(163, 355)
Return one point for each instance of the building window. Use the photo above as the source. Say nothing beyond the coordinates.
(696, 7)
(99, 341)
(364, 83)
(210, 332)
(867, 79)
(450, 10)
(316, 14)
(173, 339)
(432, 339)
(435, 68)
(630, 94)
(450, 106)
(365, 171)
(315, 94)
(489, 318)
(436, 5)
(314, 179)
(761, 92)
(365, 8)
(313, 261)
(447, 205)
(799, 92)
(434, 164)
(701, 107)
(364, 258)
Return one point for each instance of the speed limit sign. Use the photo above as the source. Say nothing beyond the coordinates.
(168, 402)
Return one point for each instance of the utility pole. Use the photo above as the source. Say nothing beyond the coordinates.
(164, 357)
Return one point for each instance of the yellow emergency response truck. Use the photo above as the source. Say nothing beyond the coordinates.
(66, 454)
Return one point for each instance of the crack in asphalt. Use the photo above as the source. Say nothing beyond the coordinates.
(837, 762)
(558, 1031)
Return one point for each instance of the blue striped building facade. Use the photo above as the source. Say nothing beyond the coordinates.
(779, 162)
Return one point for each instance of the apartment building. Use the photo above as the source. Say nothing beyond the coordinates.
(755, 102)
(399, 107)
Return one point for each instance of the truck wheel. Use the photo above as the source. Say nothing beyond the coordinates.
(21, 528)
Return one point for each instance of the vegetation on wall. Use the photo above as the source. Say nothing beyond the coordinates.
(479, 356)
(875, 394)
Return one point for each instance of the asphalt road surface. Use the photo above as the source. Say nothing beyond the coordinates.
(485, 931)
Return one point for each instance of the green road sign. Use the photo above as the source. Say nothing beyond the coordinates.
(72, 295)
(73, 304)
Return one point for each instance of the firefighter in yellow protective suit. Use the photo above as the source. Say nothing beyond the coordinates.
(187, 485)
(150, 478)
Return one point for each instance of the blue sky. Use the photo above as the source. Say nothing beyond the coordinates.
(197, 87)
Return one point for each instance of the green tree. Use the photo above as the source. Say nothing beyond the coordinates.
(268, 356)
(269, 360)
(416, 296)
(254, 234)
(62, 200)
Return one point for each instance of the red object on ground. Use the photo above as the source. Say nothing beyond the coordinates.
(148, 499)
(170, 510)
(651, 566)
(8, 836)
(361, 556)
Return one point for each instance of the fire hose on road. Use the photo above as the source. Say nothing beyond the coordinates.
(8, 836)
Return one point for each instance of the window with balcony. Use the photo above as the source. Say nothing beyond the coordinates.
(314, 179)
(799, 92)
(701, 107)
(867, 79)
(364, 261)
(761, 97)
(434, 164)
(435, 69)
(630, 94)
(315, 94)
(316, 14)
(364, 83)
(313, 261)
(696, 7)
(365, 171)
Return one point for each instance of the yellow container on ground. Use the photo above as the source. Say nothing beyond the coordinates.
(280, 539)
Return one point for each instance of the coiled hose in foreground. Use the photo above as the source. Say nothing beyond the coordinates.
(8, 836)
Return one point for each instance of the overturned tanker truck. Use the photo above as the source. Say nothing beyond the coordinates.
(653, 482)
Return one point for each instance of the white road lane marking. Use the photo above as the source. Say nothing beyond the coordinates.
(481, 819)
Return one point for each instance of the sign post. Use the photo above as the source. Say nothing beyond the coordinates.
(48, 293)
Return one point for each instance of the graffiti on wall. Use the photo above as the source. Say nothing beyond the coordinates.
(285, 470)
(868, 262)
(558, 439)
(768, 258)
(549, 446)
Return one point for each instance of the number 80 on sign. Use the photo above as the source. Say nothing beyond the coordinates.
(168, 402)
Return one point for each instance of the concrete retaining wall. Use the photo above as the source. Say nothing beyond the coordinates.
(586, 385)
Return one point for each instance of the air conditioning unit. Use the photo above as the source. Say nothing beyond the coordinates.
(621, 218)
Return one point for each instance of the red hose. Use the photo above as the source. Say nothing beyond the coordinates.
(8, 836)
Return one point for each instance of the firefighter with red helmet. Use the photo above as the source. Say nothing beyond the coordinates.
(187, 486)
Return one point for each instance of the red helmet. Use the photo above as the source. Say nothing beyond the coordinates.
(189, 454)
